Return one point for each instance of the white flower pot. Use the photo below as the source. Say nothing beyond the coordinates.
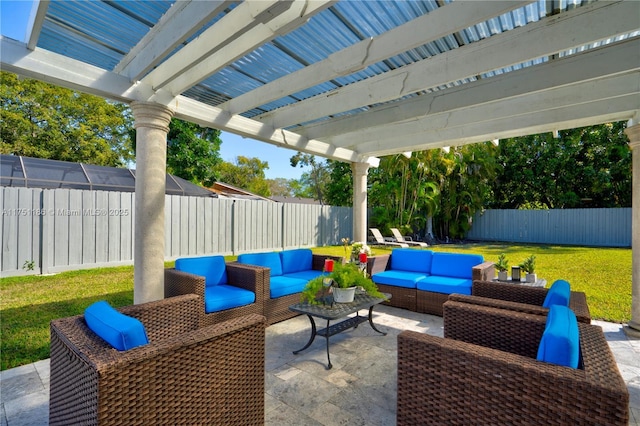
(343, 295)
(531, 278)
(503, 276)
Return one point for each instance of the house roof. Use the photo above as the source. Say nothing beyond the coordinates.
(27, 172)
(349, 80)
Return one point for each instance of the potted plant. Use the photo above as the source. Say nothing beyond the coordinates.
(341, 276)
(529, 266)
(502, 266)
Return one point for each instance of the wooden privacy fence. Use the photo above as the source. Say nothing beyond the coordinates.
(52, 230)
(582, 227)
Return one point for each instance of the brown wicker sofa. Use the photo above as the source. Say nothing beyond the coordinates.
(484, 371)
(428, 302)
(186, 374)
(179, 282)
(521, 298)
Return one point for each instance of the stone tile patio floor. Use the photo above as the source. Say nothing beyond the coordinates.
(359, 390)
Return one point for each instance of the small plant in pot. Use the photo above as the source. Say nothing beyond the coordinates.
(529, 266)
(502, 266)
(341, 276)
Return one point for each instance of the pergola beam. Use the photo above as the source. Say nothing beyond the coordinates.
(578, 115)
(597, 63)
(575, 28)
(543, 81)
(441, 22)
(208, 116)
(180, 22)
(72, 74)
(241, 31)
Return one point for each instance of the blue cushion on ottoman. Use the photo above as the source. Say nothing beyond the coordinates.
(120, 331)
(560, 343)
(558, 294)
(296, 260)
(212, 268)
(267, 260)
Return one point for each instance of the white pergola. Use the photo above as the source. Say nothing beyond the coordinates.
(345, 80)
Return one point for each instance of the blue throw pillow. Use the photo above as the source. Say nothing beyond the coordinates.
(558, 294)
(212, 268)
(120, 331)
(560, 343)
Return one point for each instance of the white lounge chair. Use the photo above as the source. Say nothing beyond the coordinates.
(399, 238)
(381, 241)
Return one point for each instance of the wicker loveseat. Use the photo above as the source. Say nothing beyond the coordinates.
(187, 374)
(237, 277)
(422, 280)
(286, 274)
(484, 371)
(521, 298)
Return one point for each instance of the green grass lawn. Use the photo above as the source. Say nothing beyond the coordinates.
(27, 304)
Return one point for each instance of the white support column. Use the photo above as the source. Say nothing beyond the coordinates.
(360, 171)
(633, 328)
(152, 125)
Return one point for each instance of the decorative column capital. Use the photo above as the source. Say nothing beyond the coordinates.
(633, 133)
(360, 169)
(151, 115)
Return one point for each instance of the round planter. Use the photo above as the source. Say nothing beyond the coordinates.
(531, 278)
(343, 295)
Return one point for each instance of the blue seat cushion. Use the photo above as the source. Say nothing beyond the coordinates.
(120, 331)
(221, 297)
(558, 294)
(560, 343)
(455, 265)
(212, 268)
(304, 275)
(284, 286)
(446, 285)
(398, 278)
(267, 260)
(296, 260)
(411, 260)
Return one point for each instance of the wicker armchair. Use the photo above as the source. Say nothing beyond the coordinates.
(179, 282)
(484, 371)
(521, 298)
(187, 374)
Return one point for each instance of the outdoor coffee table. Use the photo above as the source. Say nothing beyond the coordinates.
(333, 311)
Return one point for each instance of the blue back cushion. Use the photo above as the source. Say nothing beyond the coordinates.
(267, 260)
(560, 343)
(212, 268)
(120, 331)
(411, 260)
(454, 264)
(558, 294)
(297, 260)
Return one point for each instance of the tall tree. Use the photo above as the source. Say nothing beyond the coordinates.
(246, 173)
(315, 181)
(193, 152)
(339, 189)
(45, 121)
(585, 167)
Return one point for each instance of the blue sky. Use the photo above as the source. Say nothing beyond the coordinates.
(14, 17)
